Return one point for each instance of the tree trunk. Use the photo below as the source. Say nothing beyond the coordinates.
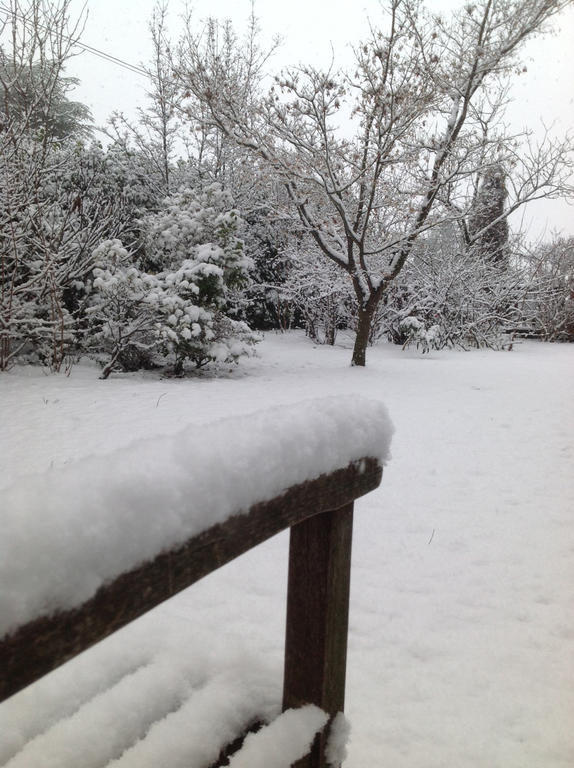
(109, 367)
(330, 332)
(364, 322)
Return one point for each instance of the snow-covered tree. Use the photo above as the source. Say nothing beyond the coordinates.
(414, 110)
(35, 116)
(85, 263)
(488, 226)
(261, 302)
(36, 40)
(211, 149)
(31, 96)
(57, 206)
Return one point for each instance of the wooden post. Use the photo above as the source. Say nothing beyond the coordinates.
(318, 617)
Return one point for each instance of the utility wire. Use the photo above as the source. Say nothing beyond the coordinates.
(88, 48)
(113, 59)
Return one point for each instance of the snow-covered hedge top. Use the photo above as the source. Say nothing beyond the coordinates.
(66, 532)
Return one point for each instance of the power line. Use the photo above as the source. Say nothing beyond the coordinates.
(112, 59)
(88, 48)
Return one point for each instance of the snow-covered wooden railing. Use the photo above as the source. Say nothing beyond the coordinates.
(71, 576)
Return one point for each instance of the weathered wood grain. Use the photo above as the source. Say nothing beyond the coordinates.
(318, 618)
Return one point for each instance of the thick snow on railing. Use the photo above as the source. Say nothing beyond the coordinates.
(67, 532)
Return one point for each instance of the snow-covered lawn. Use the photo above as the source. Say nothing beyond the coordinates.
(462, 629)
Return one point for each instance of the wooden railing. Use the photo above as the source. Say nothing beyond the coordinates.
(320, 515)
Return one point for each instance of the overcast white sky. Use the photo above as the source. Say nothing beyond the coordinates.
(308, 29)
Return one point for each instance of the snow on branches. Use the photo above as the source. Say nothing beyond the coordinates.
(178, 307)
(421, 110)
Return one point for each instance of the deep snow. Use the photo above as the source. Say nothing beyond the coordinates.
(462, 631)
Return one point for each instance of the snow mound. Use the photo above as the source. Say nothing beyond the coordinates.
(283, 742)
(336, 748)
(67, 532)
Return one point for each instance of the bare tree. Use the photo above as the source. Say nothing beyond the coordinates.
(372, 159)
(156, 133)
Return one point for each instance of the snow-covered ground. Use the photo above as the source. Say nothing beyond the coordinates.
(462, 629)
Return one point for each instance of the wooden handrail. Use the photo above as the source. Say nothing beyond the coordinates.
(319, 513)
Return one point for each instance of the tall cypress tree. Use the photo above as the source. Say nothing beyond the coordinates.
(488, 227)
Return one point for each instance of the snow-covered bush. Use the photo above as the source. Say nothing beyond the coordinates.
(321, 293)
(452, 296)
(177, 310)
(193, 246)
(417, 333)
(550, 298)
(189, 331)
(121, 317)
